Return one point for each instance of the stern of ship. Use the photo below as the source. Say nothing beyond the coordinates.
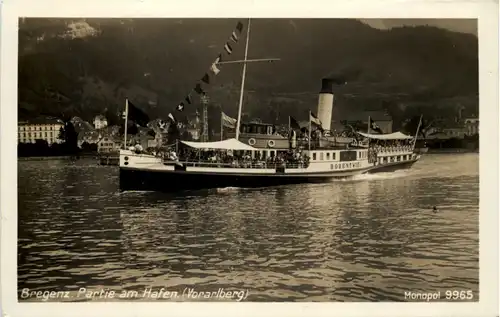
(136, 168)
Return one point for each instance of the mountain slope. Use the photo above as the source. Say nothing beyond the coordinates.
(69, 70)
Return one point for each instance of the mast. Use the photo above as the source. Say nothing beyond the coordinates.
(126, 124)
(221, 126)
(416, 133)
(309, 136)
(238, 122)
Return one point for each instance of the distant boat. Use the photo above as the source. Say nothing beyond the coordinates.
(259, 158)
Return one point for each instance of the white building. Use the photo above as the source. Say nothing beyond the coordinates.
(472, 126)
(39, 129)
(109, 144)
(100, 122)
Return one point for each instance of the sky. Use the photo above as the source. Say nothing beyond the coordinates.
(458, 25)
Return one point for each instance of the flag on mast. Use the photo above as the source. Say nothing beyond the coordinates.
(137, 115)
(228, 48)
(234, 37)
(314, 119)
(239, 27)
(218, 59)
(374, 126)
(180, 107)
(294, 124)
(214, 69)
(227, 121)
(206, 79)
(199, 90)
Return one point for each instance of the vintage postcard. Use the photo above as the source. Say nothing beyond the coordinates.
(240, 158)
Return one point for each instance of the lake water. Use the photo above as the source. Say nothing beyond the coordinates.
(371, 238)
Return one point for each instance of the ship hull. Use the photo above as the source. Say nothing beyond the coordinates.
(171, 181)
(392, 167)
(148, 173)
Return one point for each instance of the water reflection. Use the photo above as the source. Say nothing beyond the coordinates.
(371, 238)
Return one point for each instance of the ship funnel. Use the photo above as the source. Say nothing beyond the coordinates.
(325, 104)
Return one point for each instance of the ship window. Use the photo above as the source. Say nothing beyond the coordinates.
(399, 158)
(333, 155)
(328, 156)
(348, 156)
(314, 156)
(270, 130)
(321, 156)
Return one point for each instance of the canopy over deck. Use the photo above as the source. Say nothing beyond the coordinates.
(390, 136)
(229, 144)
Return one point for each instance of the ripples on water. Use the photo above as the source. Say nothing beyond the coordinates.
(367, 239)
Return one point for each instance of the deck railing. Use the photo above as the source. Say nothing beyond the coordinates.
(236, 164)
(393, 149)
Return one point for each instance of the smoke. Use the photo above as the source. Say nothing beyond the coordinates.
(343, 76)
(338, 80)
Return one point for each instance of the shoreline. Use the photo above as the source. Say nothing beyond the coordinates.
(451, 151)
(53, 158)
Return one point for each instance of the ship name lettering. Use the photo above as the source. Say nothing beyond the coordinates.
(347, 165)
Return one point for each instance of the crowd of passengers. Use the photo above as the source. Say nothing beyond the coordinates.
(239, 159)
(396, 145)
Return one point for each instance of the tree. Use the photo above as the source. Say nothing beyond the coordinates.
(69, 136)
(173, 133)
(412, 125)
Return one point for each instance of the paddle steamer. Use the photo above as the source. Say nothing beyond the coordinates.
(260, 157)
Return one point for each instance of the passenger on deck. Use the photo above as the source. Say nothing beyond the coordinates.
(172, 156)
(138, 148)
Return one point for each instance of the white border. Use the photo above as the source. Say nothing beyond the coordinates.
(486, 11)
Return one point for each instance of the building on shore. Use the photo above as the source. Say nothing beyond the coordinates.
(472, 126)
(457, 129)
(100, 122)
(89, 137)
(46, 129)
(109, 144)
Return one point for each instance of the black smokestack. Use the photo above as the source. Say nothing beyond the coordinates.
(326, 86)
(327, 83)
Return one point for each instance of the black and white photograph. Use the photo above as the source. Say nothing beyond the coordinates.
(250, 159)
